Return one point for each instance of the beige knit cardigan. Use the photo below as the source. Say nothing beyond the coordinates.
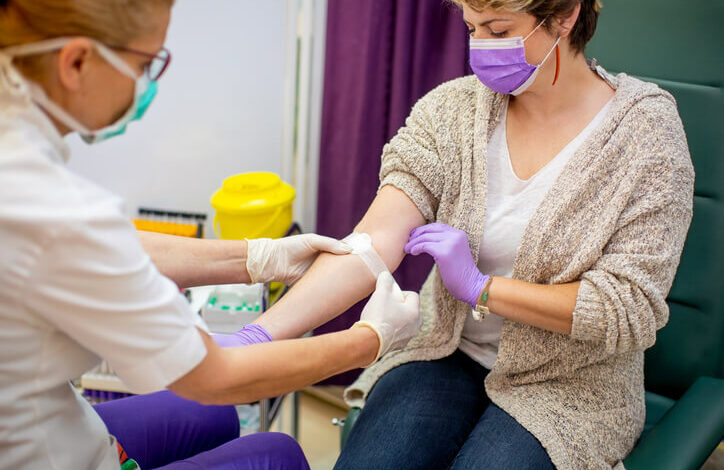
(615, 219)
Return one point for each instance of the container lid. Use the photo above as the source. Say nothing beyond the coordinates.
(252, 192)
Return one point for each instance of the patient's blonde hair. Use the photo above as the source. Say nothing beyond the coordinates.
(582, 31)
(113, 22)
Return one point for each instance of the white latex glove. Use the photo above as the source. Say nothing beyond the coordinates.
(392, 314)
(287, 259)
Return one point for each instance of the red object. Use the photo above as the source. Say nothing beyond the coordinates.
(121, 453)
(558, 63)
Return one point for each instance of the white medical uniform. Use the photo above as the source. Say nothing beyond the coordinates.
(75, 286)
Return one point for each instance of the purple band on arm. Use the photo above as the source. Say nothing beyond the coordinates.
(250, 334)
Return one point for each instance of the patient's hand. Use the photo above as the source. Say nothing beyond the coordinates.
(451, 250)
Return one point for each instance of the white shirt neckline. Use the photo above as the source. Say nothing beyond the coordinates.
(572, 145)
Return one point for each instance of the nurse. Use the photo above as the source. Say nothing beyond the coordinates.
(77, 285)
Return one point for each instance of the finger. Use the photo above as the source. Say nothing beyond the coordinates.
(385, 281)
(430, 248)
(431, 236)
(435, 227)
(330, 245)
(412, 299)
(424, 238)
(396, 291)
(298, 271)
(410, 247)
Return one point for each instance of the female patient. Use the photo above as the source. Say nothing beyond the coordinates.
(557, 198)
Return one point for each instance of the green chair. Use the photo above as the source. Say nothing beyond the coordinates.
(678, 44)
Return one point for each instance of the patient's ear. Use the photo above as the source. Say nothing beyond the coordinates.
(564, 24)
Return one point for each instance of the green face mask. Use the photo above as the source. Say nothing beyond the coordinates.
(145, 93)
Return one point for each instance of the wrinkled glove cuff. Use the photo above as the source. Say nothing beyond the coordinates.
(250, 334)
(476, 287)
(381, 348)
(258, 255)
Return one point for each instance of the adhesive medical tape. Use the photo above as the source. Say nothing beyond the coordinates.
(361, 244)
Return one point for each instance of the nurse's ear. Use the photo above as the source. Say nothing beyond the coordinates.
(74, 62)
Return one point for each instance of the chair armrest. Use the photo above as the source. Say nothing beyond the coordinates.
(349, 423)
(687, 434)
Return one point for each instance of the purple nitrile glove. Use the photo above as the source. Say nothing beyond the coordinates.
(250, 334)
(451, 251)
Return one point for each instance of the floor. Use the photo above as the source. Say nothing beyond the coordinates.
(319, 438)
(716, 461)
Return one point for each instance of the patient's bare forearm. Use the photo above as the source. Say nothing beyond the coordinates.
(335, 283)
(196, 262)
(331, 286)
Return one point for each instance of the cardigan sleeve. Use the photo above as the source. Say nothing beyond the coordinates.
(411, 161)
(622, 298)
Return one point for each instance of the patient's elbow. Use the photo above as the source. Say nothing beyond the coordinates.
(620, 315)
(388, 244)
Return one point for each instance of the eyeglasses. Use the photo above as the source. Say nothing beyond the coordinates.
(159, 62)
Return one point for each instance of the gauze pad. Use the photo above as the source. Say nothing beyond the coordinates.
(361, 244)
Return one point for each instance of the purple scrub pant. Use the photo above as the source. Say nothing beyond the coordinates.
(164, 431)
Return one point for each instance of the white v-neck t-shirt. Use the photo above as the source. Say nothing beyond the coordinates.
(75, 286)
(511, 203)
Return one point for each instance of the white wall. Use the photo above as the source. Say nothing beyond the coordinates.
(303, 95)
(218, 111)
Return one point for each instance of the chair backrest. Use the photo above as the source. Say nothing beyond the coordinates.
(679, 44)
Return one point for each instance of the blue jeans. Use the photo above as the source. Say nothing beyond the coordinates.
(436, 415)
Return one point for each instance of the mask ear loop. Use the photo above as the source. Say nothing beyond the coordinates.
(535, 29)
(557, 48)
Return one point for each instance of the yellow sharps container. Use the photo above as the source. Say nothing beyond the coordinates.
(252, 205)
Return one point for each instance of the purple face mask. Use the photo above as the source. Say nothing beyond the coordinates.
(501, 65)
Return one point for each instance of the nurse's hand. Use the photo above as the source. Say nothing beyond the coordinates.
(392, 314)
(451, 251)
(287, 259)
